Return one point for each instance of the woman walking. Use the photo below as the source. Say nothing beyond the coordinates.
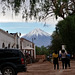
(55, 60)
(63, 57)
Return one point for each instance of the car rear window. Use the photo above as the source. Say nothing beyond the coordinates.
(9, 53)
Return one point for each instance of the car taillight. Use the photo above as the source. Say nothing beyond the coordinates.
(22, 60)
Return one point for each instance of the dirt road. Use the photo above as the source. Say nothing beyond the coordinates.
(46, 68)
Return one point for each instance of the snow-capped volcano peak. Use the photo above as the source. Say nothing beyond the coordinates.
(41, 37)
(37, 32)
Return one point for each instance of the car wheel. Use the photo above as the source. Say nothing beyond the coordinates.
(8, 71)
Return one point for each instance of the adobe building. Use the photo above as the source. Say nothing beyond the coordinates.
(13, 40)
(28, 47)
(9, 40)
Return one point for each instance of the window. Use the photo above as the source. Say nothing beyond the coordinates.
(8, 45)
(30, 45)
(27, 44)
(17, 46)
(3, 45)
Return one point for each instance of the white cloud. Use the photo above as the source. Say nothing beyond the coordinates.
(52, 20)
(12, 18)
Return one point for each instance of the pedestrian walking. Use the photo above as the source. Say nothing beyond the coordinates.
(63, 58)
(55, 60)
(68, 60)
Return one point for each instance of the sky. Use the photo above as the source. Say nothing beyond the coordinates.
(18, 25)
(25, 27)
(11, 23)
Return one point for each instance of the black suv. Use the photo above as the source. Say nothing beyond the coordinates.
(12, 61)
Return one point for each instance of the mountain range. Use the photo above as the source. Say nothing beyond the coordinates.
(39, 37)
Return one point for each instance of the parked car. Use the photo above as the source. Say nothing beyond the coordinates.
(12, 61)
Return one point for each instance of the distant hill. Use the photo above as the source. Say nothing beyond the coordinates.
(39, 37)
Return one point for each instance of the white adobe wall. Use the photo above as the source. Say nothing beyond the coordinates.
(34, 52)
(27, 43)
(6, 39)
(17, 40)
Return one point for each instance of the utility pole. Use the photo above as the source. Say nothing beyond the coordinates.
(33, 46)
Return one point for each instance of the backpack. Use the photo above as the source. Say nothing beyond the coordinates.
(63, 55)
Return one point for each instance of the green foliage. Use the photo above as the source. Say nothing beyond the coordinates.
(56, 42)
(40, 9)
(64, 34)
(42, 50)
(66, 29)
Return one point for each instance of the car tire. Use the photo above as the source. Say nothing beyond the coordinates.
(8, 71)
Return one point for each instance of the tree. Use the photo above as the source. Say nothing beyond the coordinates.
(40, 9)
(56, 42)
(63, 8)
(66, 29)
(42, 50)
